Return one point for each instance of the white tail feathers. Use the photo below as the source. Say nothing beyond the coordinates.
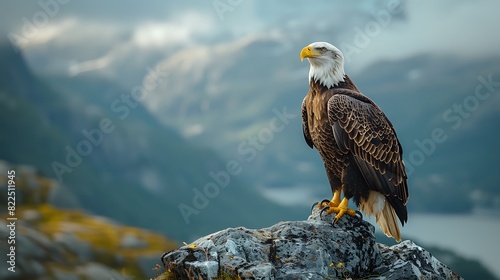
(377, 205)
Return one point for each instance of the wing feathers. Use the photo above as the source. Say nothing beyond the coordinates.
(361, 127)
(305, 125)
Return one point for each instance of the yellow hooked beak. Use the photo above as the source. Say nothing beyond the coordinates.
(308, 52)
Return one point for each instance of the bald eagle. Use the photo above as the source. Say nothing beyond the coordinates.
(357, 142)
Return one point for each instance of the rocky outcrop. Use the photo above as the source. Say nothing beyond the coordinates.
(311, 249)
(49, 243)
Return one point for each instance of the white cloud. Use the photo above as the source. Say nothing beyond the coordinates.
(151, 180)
(180, 30)
(291, 196)
(193, 130)
(189, 67)
(462, 28)
(89, 65)
(40, 35)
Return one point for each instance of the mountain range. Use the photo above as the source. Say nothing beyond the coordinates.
(136, 170)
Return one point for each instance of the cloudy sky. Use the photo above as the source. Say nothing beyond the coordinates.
(120, 39)
(78, 36)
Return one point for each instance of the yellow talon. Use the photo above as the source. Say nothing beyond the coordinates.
(333, 203)
(341, 209)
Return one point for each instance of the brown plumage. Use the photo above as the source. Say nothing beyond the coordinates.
(358, 144)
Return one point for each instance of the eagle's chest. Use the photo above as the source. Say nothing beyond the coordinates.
(319, 125)
(320, 129)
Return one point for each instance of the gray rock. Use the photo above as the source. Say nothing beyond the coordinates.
(31, 216)
(58, 274)
(98, 271)
(62, 197)
(311, 249)
(410, 261)
(32, 244)
(129, 241)
(74, 245)
(36, 268)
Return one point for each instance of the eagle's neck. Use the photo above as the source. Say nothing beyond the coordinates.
(326, 74)
(347, 83)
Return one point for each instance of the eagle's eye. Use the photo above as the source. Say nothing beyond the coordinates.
(322, 49)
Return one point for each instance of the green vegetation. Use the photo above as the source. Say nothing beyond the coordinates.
(100, 233)
(103, 237)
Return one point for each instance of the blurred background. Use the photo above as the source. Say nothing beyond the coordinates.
(136, 126)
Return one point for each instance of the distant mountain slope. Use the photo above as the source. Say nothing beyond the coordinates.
(133, 170)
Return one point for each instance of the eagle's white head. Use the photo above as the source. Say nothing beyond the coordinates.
(327, 63)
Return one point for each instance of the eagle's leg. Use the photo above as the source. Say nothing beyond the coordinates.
(341, 209)
(332, 203)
